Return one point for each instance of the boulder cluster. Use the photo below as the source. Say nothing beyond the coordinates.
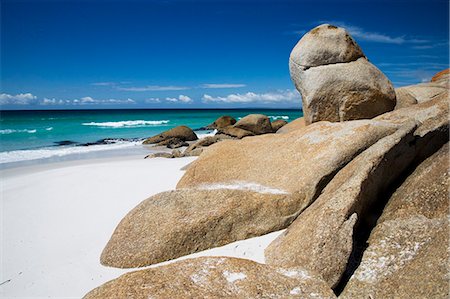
(226, 127)
(360, 184)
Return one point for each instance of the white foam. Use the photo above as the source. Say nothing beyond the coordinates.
(203, 135)
(127, 123)
(49, 129)
(27, 155)
(275, 117)
(11, 131)
(240, 185)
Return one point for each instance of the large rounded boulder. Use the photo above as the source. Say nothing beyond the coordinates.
(335, 79)
(182, 133)
(256, 123)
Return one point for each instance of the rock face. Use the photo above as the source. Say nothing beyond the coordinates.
(321, 238)
(256, 123)
(176, 223)
(278, 124)
(276, 161)
(214, 277)
(204, 142)
(441, 76)
(222, 122)
(292, 126)
(235, 132)
(409, 246)
(181, 132)
(336, 81)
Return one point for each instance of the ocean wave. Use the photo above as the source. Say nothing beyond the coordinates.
(203, 135)
(127, 123)
(26, 155)
(275, 117)
(11, 131)
(49, 128)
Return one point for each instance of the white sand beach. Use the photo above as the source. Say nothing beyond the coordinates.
(56, 219)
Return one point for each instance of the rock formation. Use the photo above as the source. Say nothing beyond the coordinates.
(215, 277)
(278, 124)
(176, 223)
(182, 133)
(221, 122)
(335, 79)
(409, 246)
(333, 180)
(256, 123)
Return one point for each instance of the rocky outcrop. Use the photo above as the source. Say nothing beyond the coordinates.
(204, 142)
(321, 238)
(441, 76)
(182, 133)
(256, 123)
(234, 132)
(176, 223)
(222, 122)
(293, 126)
(276, 161)
(336, 81)
(404, 98)
(409, 246)
(215, 277)
(278, 124)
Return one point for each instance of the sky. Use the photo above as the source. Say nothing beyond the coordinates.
(198, 54)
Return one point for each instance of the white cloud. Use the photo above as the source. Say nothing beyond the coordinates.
(18, 99)
(152, 100)
(251, 97)
(376, 37)
(181, 99)
(86, 101)
(103, 83)
(153, 88)
(222, 85)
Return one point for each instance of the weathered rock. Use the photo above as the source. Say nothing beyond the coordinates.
(325, 229)
(278, 124)
(256, 123)
(407, 248)
(425, 91)
(293, 125)
(336, 81)
(182, 132)
(176, 223)
(404, 98)
(177, 153)
(235, 132)
(222, 122)
(325, 44)
(441, 76)
(204, 142)
(321, 238)
(159, 155)
(215, 277)
(173, 143)
(195, 152)
(424, 192)
(300, 162)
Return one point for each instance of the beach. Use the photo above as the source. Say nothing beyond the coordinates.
(57, 218)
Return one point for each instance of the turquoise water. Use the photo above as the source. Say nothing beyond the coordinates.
(26, 135)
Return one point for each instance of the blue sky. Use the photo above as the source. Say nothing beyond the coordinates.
(197, 54)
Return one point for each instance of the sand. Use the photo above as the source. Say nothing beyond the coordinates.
(56, 219)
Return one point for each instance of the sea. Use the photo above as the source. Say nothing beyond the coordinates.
(59, 135)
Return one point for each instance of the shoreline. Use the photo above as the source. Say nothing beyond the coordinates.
(57, 218)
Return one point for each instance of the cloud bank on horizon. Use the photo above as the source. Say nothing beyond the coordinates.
(199, 59)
